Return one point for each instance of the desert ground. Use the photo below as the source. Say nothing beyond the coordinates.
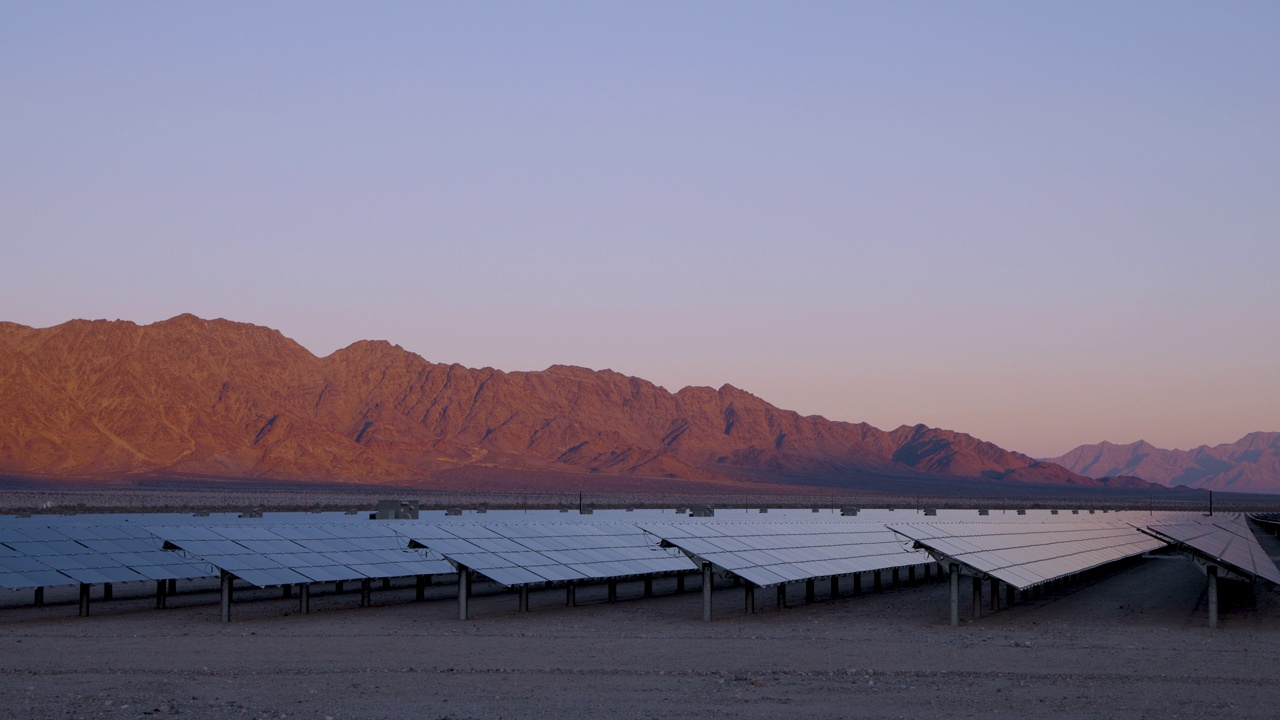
(1134, 643)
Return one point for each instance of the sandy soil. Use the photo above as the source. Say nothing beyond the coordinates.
(1135, 644)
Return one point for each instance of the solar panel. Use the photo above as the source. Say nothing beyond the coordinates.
(770, 552)
(1225, 539)
(1024, 554)
(520, 553)
(93, 560)
(281, 553)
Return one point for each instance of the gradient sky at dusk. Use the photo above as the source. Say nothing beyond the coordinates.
(1042, 223)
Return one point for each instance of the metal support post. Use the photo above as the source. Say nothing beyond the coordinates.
(1010, 595)
(749, 597)
(1212, 572)
(809, 592)
(955, 595)
(366, 592)
(464, 592)
(84, 599)
(835, 587)
(227, 581)
(706, 592)
(782, 595)
(524, 598)
(162, 596)
(304, 598)
(613, 590)
(976, 584)
(419, 588)
(38, 600)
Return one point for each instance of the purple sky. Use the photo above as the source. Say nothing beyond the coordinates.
(1044, 224)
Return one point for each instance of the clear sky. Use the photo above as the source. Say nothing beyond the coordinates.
(1042, 223)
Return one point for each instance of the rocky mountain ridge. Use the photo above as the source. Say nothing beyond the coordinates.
(220, 399)
(1251, 464)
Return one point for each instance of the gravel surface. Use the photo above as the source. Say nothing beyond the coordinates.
(1133, 644)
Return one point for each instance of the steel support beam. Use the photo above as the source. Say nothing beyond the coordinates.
(976, 585)
(809, 592)
(706, 592)
(524, 598)
(304, 598)
(84, 599)
(748, 597)
(162, 595)
(38, 599)
(782, 595)
(227, 581)
(955, 595)
(366, 592)
(464, 593)
(613, 590)
(1212, 573)
(419, 588)
(835, 587)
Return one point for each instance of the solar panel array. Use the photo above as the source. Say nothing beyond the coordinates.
(1028, 554)
(288, 553)
(520, 553)
(44, 556)
(769, 553)
(1226, 539)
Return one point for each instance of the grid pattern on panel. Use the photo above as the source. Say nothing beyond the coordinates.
(36, 556)
(1226, 539)
(520, 553)
(267, 554)
(769, 553)
(1028, 554)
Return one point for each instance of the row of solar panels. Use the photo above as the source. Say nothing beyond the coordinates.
(1028, 554)
(268, 553)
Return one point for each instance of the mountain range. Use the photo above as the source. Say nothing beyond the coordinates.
(1250, 464)
(194, 398)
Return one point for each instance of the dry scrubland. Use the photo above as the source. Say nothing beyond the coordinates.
(1134, 644)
